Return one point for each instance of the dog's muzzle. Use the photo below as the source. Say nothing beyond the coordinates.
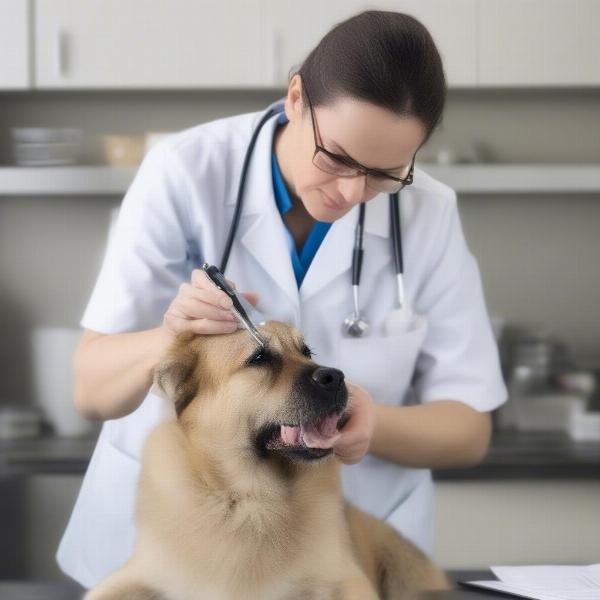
(313, 415)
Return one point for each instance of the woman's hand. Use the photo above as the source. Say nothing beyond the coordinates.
(201, 307)
(356, 434)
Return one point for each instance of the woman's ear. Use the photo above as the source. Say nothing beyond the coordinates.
(293, 102)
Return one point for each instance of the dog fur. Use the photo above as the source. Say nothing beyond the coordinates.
(227, 511)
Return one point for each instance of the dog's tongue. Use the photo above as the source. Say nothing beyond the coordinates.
(323, 434)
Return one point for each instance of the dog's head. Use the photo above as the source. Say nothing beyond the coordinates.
(274, 403)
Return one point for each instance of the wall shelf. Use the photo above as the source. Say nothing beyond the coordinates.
(518, 178)
(65, 181)
(465, 179)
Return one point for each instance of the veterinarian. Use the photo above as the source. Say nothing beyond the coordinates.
(356, 113)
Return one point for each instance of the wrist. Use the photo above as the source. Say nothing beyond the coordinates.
(381, 415)
(162, 338)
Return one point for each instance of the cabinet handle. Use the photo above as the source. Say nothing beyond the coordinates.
(60, 53)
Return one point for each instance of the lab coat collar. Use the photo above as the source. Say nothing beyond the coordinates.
(266, 238)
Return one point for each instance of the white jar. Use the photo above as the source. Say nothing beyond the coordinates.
(52, 351)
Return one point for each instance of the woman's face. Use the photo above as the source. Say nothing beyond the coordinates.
(371, 135)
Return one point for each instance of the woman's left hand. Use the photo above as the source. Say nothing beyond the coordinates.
(356, 434)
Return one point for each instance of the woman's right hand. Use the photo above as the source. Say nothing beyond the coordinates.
(201, 307)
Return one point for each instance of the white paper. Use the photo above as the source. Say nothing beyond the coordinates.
(511, 589)
(547, 582)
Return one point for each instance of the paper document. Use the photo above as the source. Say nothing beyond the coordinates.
(551, 582)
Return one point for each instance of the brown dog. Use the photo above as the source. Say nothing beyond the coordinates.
(232, 502)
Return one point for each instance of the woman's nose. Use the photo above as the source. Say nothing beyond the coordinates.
(352, 189)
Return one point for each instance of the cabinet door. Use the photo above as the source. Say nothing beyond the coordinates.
(293, 29)
(139, 44)
(539, 42)
(14, 45)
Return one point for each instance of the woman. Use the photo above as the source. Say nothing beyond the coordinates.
(356, 113)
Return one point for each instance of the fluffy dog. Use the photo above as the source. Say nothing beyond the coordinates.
(239, 497)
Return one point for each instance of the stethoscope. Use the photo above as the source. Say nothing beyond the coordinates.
(355, 325)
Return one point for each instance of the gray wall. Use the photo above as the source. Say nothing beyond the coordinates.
(538, 253)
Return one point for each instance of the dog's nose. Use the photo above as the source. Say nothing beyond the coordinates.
(327, 378)
(317, 392)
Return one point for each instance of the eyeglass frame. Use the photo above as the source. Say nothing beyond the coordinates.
(350, 162)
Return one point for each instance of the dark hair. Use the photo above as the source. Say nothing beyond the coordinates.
(386, 58)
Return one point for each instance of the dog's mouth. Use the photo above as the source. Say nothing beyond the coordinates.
(304, 441)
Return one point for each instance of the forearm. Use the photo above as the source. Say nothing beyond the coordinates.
(445, 433)
(113, 373)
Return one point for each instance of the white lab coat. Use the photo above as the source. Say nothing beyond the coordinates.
(176, 214)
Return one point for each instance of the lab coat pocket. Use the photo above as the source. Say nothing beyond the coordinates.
(383, 365)
(100, 535)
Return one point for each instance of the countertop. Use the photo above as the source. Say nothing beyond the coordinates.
(512, 455)
(532, 455)
(69, 590)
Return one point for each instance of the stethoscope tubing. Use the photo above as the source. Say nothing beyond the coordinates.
(240, 194)
(396, 233)
(358, 250)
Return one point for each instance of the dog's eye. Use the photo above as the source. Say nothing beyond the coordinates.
(258, 358)
(306, 351)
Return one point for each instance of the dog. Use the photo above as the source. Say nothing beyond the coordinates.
(239, 496)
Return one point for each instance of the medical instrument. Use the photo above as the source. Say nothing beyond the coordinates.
(354, 325)
(237, 309)
(398, 319)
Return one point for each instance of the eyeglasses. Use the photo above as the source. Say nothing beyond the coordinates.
(344, 166)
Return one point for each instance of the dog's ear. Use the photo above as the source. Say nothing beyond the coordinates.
(174, 376)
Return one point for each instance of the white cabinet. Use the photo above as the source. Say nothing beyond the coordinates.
(134, 44)
(453, 26)
(14, 45)
(539, 42)
(190, 44)
(204, 43)
(293, 28)
(527, 521)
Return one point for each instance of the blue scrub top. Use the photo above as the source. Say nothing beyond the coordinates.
(300, 262)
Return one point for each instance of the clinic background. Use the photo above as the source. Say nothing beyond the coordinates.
(520, 142)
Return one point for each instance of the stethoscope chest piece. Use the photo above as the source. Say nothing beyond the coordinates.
(355, 325)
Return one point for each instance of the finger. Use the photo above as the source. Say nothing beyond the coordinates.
(200, 279)
(180, 324)
(358, 412)
(193, 308)
(208, 327)
(252, 297)
(351, 450)
(208, 292)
